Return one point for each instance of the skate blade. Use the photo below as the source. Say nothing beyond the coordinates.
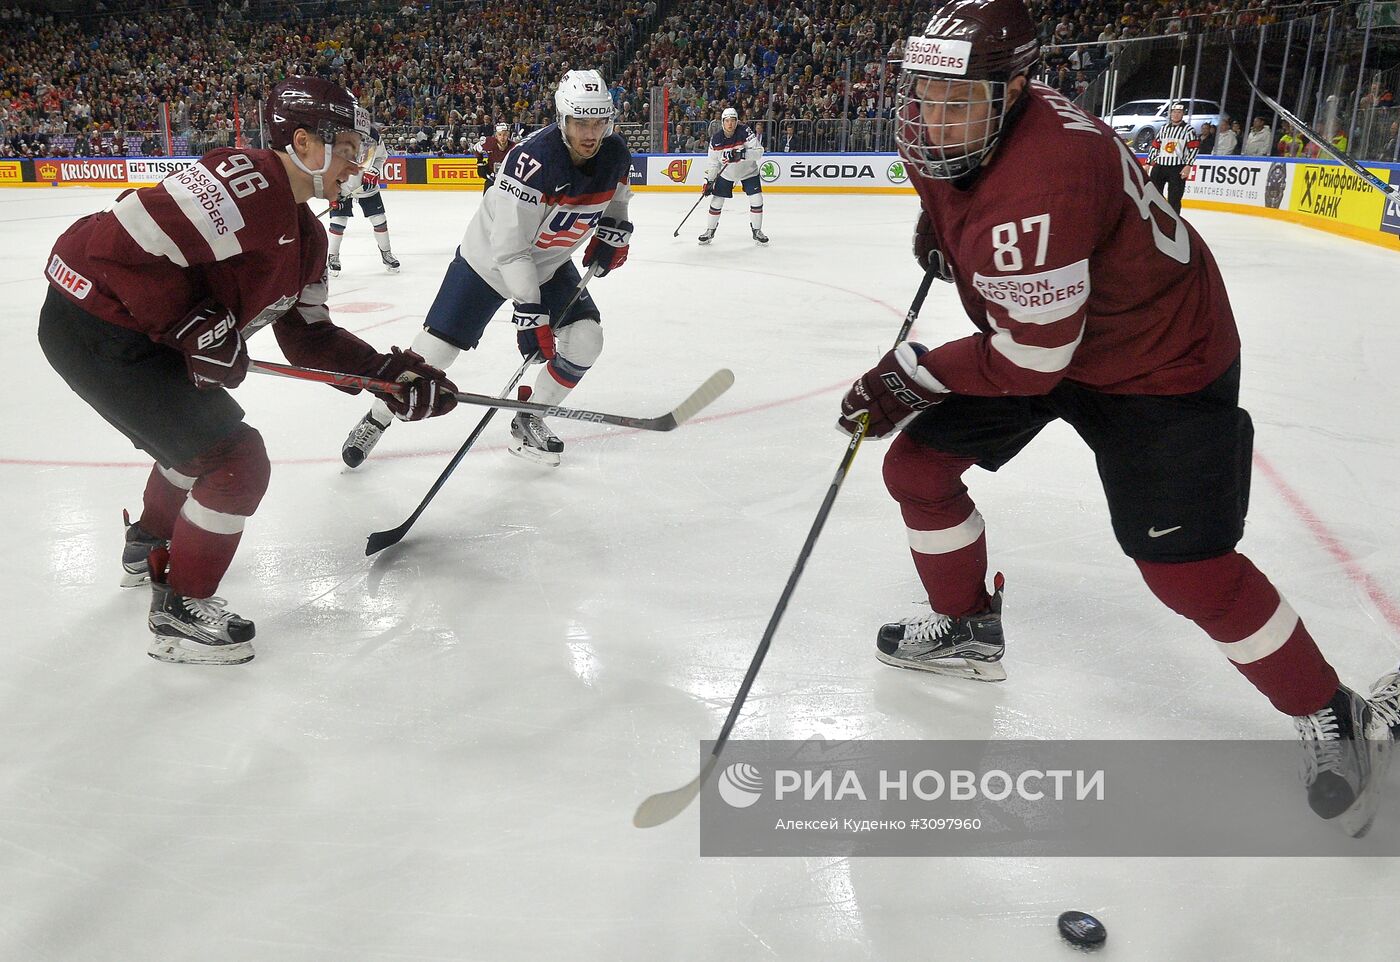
(391, 270)
(133, 579)
(965, 668)
(534, 455)
(183, 651)
(1357, 820)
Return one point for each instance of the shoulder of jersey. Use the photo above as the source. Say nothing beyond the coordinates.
(616, 152)
(546, 147)
(1064, 136)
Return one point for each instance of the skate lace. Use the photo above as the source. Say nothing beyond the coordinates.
(365, 431)
(212, 611)
(1385, 699)
(926, 627)
(1322, 737)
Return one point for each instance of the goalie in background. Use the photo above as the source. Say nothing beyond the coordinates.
(734, 156)
(365, 187)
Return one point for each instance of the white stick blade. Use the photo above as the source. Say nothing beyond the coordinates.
(705, 395)
(661, 808)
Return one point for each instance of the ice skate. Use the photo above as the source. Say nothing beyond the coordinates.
(534, 441)
(969, 647)
(333, 264)
(391, 263)
(708, 236)
(193, 631)
(1346, 751)
(758, 235)
(136, 569)
(1385, 700)
(361, 440)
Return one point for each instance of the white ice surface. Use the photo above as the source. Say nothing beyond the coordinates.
(436, 755)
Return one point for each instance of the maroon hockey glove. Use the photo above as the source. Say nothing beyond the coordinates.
(426, 393)
(533, 335)
(608, 248)
(214, 350)
(891, 393)
(927, 251)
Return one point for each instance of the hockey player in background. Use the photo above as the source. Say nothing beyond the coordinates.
(491, 152)
(149, 307)
(1096, 304)
(734, 156)
(367, 188)
(552, 190)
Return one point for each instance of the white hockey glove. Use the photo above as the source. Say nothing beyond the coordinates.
(533, 335)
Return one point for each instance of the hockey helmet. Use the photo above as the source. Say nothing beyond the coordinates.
(728, 113)
(952, 90)
(323, 108)
(583, 95)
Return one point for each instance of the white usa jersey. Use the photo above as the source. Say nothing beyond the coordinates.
(355, 186)
(542, 207)
(721, 143)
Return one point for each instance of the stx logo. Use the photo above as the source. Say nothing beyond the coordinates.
(678, 170)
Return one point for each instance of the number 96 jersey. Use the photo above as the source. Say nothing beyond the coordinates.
(227, 226)
(540, 208)
(1074, 268)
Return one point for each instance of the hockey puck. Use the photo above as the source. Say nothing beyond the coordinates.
(1082, 928)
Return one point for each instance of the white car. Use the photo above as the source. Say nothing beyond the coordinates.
(1138, 121)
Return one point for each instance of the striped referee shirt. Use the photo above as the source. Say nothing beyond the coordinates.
(1174, 146)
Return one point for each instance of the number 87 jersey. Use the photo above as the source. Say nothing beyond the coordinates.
(542, 207)
(1074, 267)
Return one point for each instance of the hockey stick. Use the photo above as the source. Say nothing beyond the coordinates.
(661, 808)
(1341, 156)
(379, 540)
(677, 232)
(715, 385)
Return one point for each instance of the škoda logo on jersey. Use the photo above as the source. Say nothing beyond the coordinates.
(678, 170)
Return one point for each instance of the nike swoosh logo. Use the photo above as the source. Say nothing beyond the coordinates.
(561, 187)
(1154, 533)
(285, 240)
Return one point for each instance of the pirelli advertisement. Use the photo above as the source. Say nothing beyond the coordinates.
(1316, 193)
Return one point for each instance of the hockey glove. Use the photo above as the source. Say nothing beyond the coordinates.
(608, 248)
(214, 350)
(708, 189)
(734, 155)
(891, 393)
(369, 179)
(426, 392)
(927, 251)
(533, 335)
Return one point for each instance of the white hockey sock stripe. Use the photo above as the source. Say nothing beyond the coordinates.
(1267, 640)
(948, 539)
(182, 481)
(215, 522)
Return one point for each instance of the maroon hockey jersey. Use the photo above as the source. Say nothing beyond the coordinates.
(1073, 267)
(227, 226)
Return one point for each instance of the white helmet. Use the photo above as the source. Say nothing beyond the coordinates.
(729, 112)
(583, 94)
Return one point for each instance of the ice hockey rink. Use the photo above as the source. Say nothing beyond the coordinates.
(437, 752)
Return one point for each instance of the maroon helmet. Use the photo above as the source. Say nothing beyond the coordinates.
(321, 107)
(956, 72)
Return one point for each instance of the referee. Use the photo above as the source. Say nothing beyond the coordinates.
(1173, 151)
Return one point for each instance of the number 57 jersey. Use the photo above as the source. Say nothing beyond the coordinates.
(1074, 268)
(541, 208)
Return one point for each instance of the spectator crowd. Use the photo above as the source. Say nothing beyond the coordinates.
(439, 74)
